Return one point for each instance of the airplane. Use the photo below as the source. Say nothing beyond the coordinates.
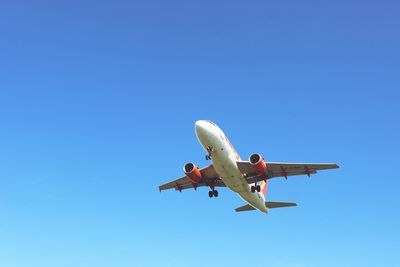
(249, 179)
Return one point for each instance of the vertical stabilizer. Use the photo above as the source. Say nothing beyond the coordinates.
(264, 185)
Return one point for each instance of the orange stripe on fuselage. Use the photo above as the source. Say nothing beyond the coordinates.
(233, 149)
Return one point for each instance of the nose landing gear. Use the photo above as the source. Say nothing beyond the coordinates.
(210, 149)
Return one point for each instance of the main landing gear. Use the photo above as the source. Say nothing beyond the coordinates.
(255, 188)
(213, 193)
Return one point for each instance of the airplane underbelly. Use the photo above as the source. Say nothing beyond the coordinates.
(225, 164)
(230, 174)
(236, 182)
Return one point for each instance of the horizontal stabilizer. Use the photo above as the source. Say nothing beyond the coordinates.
(246, 207)
(268, 204)
(272, 205)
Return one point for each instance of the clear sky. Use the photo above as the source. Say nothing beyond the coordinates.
(98, 101)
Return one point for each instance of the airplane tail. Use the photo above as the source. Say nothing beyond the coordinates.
(264, 185)
(268, 204)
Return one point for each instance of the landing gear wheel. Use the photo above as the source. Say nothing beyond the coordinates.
(258, 188)
(210, 193)
(215, 193)
(253, 189)
(209, 151)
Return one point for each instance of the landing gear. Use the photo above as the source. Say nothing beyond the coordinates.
(213, 193)
(209, 151)
(255, 188)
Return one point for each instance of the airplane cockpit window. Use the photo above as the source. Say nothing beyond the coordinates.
(211, 122)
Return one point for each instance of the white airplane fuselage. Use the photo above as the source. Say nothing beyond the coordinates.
(224, 158)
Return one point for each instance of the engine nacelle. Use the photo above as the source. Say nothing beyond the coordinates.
(258, 164)
(192, 172)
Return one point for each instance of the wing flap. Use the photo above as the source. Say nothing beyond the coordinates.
(300, 166)
(175, 184)
(282, 169)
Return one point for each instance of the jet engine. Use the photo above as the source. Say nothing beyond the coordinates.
(192, 172)
(258, 164)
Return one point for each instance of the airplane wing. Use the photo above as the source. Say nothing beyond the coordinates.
(282, 169)
(209, 177)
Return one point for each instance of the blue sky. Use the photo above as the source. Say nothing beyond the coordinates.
(97, 108)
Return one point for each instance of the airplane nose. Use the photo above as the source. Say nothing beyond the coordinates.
(200, 127)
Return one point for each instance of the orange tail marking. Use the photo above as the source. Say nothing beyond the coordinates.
(264, 185)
